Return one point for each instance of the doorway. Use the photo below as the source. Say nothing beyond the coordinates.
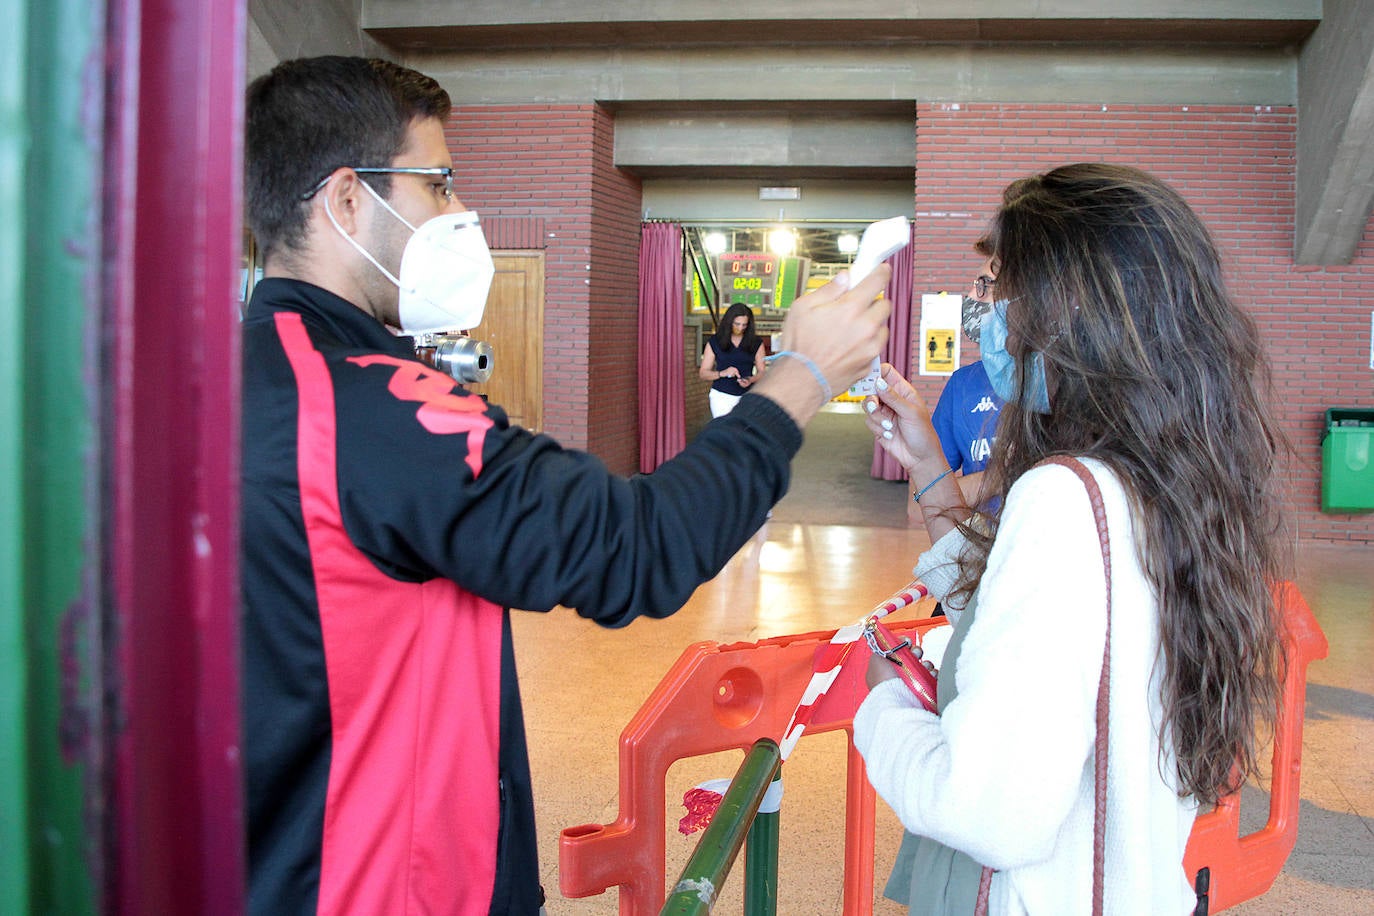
(513, 324)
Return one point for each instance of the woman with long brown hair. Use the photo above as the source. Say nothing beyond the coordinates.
(733, 359)
(1115, 344)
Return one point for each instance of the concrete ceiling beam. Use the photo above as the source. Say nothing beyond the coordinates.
(492, 24)
(740, 143)
(1335, 174)
(824, 76)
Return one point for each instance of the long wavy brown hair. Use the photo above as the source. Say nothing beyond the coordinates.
(1154, 370)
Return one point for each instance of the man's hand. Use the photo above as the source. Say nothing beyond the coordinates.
(841, 331)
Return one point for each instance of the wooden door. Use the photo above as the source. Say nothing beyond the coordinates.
(513, 324)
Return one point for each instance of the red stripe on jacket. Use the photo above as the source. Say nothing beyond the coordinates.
(412, 809)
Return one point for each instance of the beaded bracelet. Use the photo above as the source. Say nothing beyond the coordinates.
(922, 492)
(815, 370)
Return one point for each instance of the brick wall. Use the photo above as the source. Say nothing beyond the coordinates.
(523, 165)
(613, 415)
(550, 166)
(1235, 165)
(696, 390)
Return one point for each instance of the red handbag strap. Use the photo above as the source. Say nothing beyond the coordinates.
(1100, 745)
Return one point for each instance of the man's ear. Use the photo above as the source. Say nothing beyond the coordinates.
(343, 195)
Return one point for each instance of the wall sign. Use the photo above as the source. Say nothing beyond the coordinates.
(939, 339)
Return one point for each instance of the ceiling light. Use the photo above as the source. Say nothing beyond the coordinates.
(714, 242)
(782, 242)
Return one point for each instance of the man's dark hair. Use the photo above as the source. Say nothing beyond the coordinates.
(311, 116)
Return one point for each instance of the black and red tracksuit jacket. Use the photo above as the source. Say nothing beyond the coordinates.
(389, 520)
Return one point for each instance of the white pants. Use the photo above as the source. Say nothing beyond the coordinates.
(721, 403)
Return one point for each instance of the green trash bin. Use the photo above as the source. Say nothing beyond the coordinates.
(1348, 461)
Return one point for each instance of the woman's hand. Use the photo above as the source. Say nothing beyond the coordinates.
(879, 670)
(900, 420)
(708, 372)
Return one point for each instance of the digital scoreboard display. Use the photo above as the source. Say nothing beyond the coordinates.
(759, 280)
(748, 277)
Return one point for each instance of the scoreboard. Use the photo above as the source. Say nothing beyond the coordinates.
(760, 280)
(746, 277)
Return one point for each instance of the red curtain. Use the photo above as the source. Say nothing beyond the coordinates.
(898, 349)
(662, 426)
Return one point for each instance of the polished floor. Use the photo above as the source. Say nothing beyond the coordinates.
(836, 546)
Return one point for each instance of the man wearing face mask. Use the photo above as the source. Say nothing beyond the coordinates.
(965, 417)
(390, 518)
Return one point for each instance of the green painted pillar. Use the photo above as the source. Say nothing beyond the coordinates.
(50, 105)
(14, 815)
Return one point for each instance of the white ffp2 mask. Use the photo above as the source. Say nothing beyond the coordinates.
(446, 271)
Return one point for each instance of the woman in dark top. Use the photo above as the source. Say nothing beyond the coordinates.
(733, 359)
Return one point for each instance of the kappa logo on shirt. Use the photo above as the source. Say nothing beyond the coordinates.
(984, 405)
(442, 411)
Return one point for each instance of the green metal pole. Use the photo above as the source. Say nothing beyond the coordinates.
(50, 116)
(705, 872)
(761, 862)
(14, 142)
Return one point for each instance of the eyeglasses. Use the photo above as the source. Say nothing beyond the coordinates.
(983, 285)
(442, 172)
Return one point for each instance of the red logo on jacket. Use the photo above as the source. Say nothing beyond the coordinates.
(442, 410)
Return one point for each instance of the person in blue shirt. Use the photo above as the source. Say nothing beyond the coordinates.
(965, 417)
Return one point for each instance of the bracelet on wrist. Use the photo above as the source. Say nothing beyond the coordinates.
(922, 492)
(815, 370)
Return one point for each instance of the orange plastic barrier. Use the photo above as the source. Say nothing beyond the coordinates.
(1243, 867)
(717, 698)
(714, 698)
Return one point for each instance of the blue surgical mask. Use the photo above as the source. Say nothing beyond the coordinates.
(1002, 369)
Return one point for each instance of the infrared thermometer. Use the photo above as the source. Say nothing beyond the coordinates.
(880, 241)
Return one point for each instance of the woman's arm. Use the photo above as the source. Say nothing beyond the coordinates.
(708, 371)
(759, 365)
(998, 772)
(968, 485)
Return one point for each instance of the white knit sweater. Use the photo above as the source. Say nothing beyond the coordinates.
(1006, 774)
